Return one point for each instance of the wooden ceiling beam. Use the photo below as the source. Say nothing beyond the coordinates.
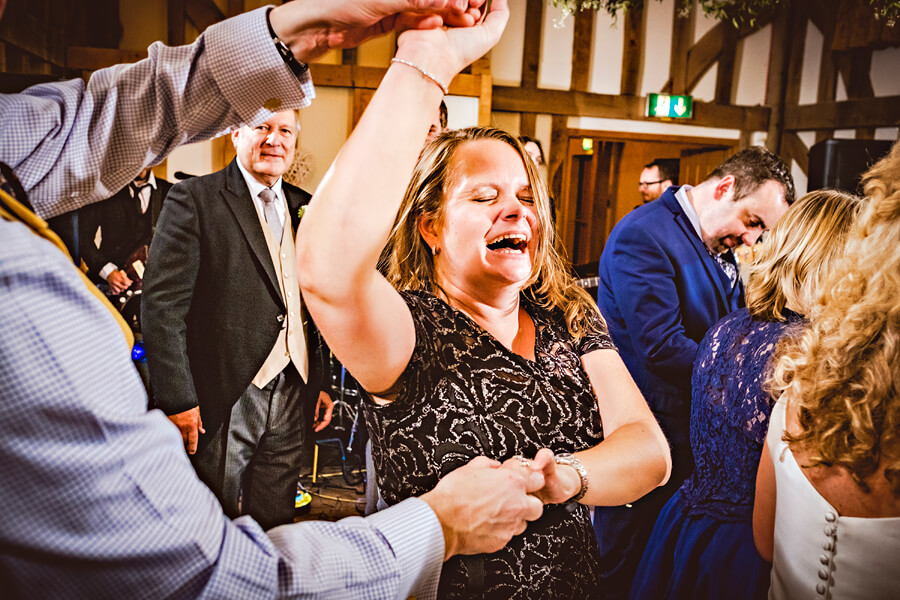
(582, 43)
(793, 148)
(854, 67)
(531, 53)
(354, 76)
(883, 111)
(682, 41)
(614, 106)
(727, 69)
(84, 58)
(234, 8)
(202, 13)
(709, 49)
(176, 21)
(827, 69)
(776, 83)
(704, 54)
(632, 51)
(23, 29)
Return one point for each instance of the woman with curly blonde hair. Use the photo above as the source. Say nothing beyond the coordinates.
(827, 509)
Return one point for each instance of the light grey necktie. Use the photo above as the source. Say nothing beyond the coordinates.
(268, 197)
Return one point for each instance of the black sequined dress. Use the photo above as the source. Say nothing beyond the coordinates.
(464, 395)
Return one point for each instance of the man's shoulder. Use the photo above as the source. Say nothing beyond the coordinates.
(645, 222)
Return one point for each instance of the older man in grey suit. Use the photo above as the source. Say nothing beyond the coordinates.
(226, 334)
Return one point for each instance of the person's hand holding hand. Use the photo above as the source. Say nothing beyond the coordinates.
(446, 51)
(561, 482)
(118, 281)
(481, 506)
(191, 426)
(312, 28)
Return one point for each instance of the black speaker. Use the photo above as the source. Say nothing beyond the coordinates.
(839, 164)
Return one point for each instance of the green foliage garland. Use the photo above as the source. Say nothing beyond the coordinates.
(736, 12)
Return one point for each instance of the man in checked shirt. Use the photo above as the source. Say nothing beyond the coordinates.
(100, 500)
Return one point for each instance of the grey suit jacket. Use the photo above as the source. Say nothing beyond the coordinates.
(212, 307)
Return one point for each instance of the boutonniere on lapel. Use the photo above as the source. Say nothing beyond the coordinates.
(301, 211)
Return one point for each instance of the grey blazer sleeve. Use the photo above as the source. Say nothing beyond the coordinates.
(172, 267)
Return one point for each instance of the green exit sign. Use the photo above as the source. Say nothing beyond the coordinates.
(670, 107)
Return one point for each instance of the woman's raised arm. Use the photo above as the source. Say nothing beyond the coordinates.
(363, 319)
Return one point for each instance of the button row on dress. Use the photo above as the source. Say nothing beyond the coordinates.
(828, 546)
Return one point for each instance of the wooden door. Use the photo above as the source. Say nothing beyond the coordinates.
(596, 187)
(588, 194)
(697, 163)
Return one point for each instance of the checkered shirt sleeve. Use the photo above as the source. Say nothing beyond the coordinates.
(71, 144)
(99, 498)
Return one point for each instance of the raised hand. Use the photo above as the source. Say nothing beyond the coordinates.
(312, 28)
(448, 50)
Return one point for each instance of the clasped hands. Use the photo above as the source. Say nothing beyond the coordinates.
(484, 503)
(561, 482)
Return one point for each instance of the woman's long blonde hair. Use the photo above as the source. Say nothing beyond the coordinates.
(407, 261)
(843, 374)
(798, 253)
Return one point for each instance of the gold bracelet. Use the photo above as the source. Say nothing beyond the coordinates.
(424, 73)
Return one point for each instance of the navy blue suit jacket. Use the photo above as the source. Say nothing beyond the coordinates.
(660, 291)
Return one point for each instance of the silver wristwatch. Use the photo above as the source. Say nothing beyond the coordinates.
(566, 458)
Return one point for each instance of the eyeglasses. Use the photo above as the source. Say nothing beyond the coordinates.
(649, 183)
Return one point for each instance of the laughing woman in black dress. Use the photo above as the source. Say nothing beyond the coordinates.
(477, 342)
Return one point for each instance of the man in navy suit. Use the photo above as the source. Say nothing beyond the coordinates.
(667, 274)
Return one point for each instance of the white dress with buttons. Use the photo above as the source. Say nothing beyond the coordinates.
(818, 553)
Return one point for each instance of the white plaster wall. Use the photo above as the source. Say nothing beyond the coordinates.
(801, 181)
(812, 60)
(462, 111)
(606, 54)
(506, 56)
(886, 72)
(753, 53)
(657, 45)
(324, 126)
(706, 87)
(555, 70)
(195, 159)
(840, 92)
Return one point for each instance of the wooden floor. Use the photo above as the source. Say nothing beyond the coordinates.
(333, 497)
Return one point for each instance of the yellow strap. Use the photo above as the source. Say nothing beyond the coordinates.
(13, 210)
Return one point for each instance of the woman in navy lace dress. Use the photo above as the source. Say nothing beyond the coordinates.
(702, 545)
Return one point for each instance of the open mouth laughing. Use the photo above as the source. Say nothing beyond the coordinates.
(509, 243)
